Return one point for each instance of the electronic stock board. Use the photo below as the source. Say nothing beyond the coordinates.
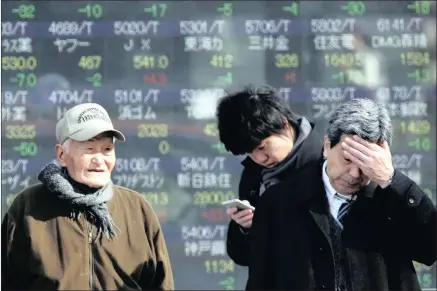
(159, 67)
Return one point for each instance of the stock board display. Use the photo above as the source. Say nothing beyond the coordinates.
(159, 68)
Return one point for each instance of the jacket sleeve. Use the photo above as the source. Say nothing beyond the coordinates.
(162, 279)
(261, 265)
(13, 255)
(237, 244)
(411, 216)
(237, 241)
(8, 228)
(164, 275)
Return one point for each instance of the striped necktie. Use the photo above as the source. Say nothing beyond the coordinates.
(344, 208)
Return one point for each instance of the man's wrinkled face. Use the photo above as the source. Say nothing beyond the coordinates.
(345, 177)
(89, 162)
(272, 150)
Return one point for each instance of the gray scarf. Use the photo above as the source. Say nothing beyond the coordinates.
(271, 176)
(94, 204)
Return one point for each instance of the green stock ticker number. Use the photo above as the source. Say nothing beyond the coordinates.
(421, 144)
(422, 76)
(95, 80)
(226, 9)
(228, 283)
(26, 80)
(27, 149)
(354, 8)
(219, 147)
(25, 11)
(420, 7)
(157, 10)
(92, 11)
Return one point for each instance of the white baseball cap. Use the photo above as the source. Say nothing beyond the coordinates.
(83, 122)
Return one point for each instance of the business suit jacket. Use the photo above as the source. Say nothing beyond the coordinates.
(385, 230)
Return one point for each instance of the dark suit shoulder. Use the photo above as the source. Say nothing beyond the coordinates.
(301, 184)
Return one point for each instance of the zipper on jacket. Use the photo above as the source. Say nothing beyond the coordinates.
(90, 245)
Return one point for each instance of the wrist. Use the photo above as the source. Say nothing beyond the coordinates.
(387, 182)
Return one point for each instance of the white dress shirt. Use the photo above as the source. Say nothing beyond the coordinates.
(335, 199)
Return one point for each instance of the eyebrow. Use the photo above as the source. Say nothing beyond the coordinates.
(100, 139)
(342, 154)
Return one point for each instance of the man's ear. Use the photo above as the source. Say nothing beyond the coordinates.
(60, 155)
(286, 125)
(289, 128)
(326, 146)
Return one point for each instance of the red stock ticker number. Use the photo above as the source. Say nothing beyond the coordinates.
(215, 215)
(157, 79)
(290, 77)
(162, 215)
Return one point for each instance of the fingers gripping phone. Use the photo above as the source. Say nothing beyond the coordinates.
(237, 203)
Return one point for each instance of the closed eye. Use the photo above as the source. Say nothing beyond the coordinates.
(109, 149)
(346, 159)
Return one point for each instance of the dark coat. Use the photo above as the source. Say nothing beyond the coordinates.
(385, 230)
(237, 242)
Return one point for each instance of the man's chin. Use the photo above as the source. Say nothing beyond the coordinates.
(271, 165)
(97, 183)
(348, 190)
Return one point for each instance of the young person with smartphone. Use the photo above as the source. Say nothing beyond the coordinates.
(259, 123)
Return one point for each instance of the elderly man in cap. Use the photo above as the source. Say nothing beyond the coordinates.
(75, 229)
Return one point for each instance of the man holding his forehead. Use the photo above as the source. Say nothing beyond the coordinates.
(76, 229)
(349, 221)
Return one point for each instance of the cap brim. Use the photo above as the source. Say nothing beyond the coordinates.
(93, 131)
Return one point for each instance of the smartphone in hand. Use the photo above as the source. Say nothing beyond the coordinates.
(237, 203)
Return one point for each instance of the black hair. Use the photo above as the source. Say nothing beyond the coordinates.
(247, 117)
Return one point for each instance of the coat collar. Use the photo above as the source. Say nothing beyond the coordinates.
(313, 188)
(313, 194)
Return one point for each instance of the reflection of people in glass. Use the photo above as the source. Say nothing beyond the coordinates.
(369, 70)
(347, 222)
(259, 123)
(76, 229)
